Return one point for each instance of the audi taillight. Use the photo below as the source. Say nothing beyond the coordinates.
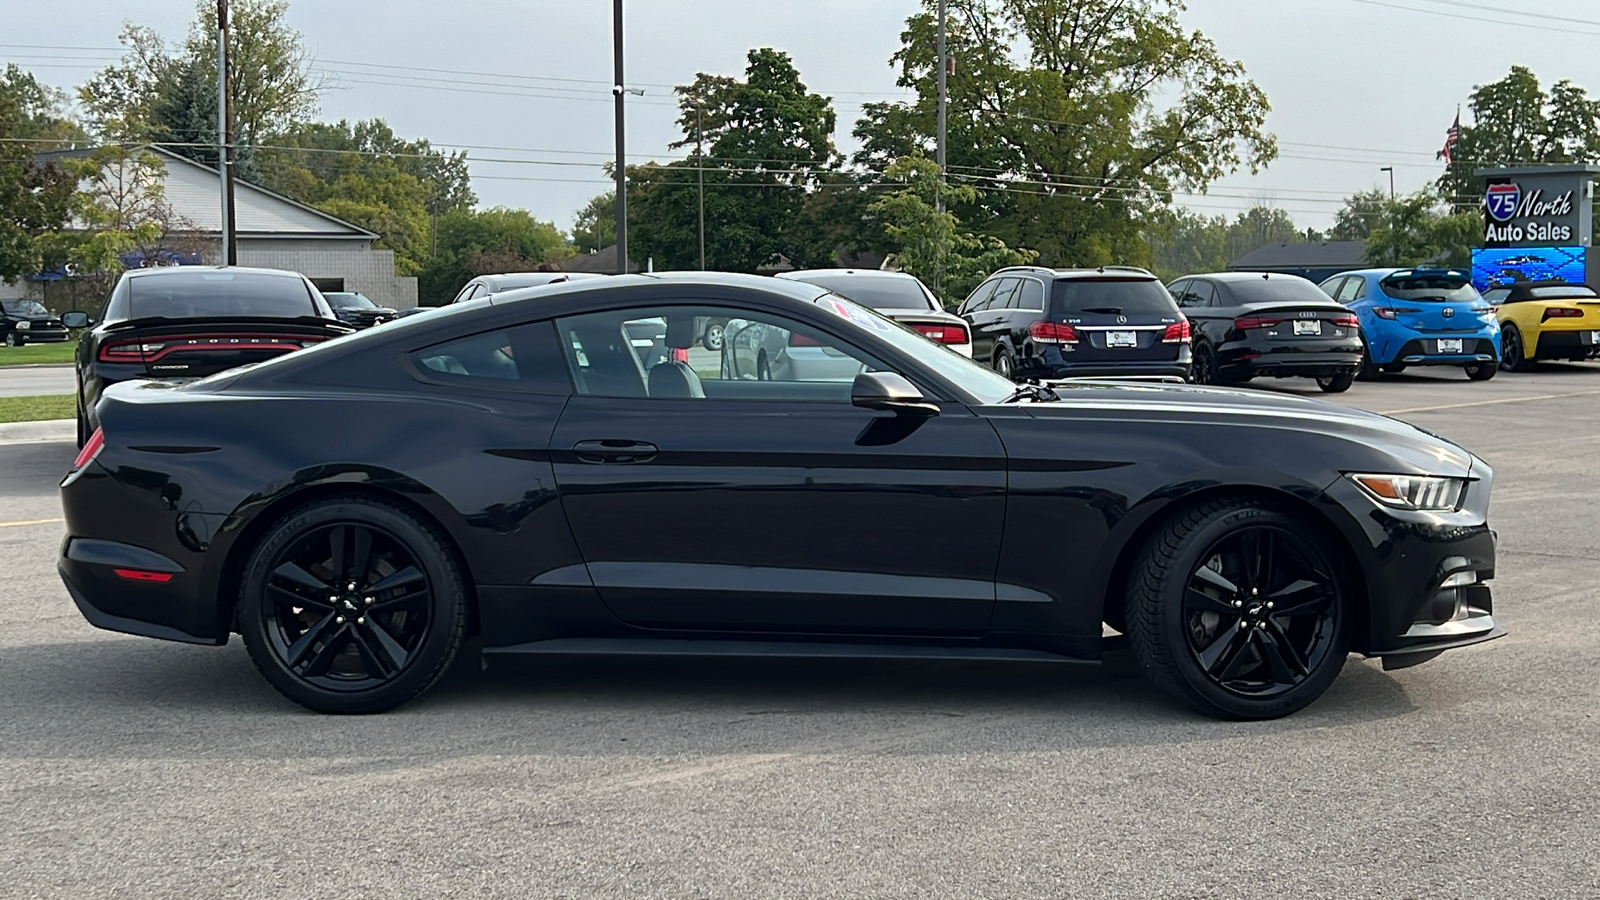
(1346, 320)
(1245, 323)
(1561, 313)
(1176, 333)
(1052, 333)
(943, 334)
(91, 449)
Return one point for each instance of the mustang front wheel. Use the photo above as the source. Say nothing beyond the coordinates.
(351, 605)
(1238, 611)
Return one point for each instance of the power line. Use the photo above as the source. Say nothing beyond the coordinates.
(1451, 15)
(1512, 12)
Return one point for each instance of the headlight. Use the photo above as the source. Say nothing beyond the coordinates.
(1420, 492)
(24, 326)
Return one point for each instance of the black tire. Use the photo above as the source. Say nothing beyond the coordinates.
(83, 429)
(336, 649)
(1482, 371)
(1204, 370)
(1394, 368)
(763, 368)
(1336, 384)
(1513, 352)
(1368, 370)
(712, 339)
(1209, 638)
(1004, 364)
(13, 339)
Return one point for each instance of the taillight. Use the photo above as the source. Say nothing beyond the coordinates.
(943, 334)
(91, 449)
(129, 351)
(796, 339)
(1245, 323)
(1392, 312)
(1559, 312)
(146, 350)
(143, 575)
(1346, 320)
(1052, 333)
(1176, 333)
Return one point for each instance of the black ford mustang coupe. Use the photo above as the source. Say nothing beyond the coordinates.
(510, 467)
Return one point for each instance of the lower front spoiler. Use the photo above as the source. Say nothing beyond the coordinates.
(1431, 640)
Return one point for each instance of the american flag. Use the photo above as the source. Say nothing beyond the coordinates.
(1450, 138)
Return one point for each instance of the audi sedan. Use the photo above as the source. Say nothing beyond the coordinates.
(514, 469)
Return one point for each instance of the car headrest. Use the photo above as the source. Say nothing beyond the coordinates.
(680, 332)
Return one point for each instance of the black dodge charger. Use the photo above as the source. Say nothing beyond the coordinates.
(510, 468)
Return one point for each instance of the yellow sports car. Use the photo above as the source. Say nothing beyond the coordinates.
(1541, 320)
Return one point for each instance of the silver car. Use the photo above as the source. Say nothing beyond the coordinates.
(897, 296)
(758, 351)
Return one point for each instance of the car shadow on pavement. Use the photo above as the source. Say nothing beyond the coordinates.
(124, 698)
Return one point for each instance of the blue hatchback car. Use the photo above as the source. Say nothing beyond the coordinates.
(1420, 317)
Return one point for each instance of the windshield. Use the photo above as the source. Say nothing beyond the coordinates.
(1277, 290)
(348, 300)
(24, 308)
(979, 381)
(1430, 288)
(1117, 296)
(876, 291)
(183, 296)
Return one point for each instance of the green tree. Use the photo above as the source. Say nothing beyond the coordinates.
(1361, 214)
(928, 241)
(767, 140)
(304, 161)
(485, 242)
(1189, 243)
(1075, 121)
(35, 198)
(1516, 122)
(595, 226)
(1419, 229)
(39, 112)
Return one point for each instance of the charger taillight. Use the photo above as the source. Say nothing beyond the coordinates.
(943, 334)
(91, 449)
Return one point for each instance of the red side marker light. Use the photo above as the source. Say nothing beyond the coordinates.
(91, 449)
(142, 575)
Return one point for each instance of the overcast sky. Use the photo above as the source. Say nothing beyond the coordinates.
(1354, 84)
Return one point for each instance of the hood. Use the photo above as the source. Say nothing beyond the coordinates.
(1426, 452)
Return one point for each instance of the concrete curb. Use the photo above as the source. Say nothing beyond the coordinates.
(50, 430)
(37, 366)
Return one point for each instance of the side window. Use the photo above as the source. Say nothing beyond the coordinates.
(979, 299)
(1177, 290)
(1496, 296)
(1200, 293)
(1005, 294)
(522, 358)
(655, 353)
(1353, 289)
(1031, 297)
(1331, 287)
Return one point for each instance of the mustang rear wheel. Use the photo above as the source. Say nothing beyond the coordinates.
(351, 605)
(1237, 611)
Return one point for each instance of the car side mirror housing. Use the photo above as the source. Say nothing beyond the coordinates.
(76, 318)
(892, 392)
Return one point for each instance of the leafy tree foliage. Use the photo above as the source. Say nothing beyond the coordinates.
(768, 141)
(1360, 215)
(1190, 243)
(1516, 122)
(1075, 121)
(1421, 230)
(486, 242)
(930, 241)
(595, 226)
(34, 199)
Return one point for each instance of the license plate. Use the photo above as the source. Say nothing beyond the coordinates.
(1122, 339)
(1314, 326)
(1451, 345)
(1594, 337)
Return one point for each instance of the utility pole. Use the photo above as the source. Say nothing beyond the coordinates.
(1390, 170)
(944, 102)
(230, 250)
(622, 163)
(700, 175)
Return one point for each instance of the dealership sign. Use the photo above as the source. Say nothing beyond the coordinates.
(1538, 206)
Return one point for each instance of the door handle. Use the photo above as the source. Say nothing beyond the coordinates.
(614, 451)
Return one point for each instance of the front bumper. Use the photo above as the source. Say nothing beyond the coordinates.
(37, 335)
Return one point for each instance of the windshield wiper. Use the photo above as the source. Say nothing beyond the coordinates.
(1038, 393)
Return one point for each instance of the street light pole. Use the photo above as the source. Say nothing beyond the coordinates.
(700, 176)
(1390, 170)
(944, 102)
(230, 250)
(622, 164)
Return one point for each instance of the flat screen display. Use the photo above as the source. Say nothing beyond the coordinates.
(1498, 266)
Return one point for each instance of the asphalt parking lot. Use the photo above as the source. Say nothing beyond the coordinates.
(131, 767)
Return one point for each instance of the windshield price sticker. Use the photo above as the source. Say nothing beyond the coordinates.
(859, 316)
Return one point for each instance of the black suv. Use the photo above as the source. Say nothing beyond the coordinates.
(28, 322)
(1113, 321)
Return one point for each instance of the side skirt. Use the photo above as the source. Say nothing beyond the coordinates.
(787, 649)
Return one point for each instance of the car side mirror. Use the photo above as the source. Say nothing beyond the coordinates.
(887, 390)
(76, 318)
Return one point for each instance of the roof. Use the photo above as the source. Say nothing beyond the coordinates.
(1303, 255)
(802, 274)
(194, 191)
(1553, 290)
(797, 290)
(1236, 277)
(505, 281)
(198, 271)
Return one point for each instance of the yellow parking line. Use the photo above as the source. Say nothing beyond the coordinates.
(1417, 409)
(31, 522)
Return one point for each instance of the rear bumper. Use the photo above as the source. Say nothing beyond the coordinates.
(1052, 363)
(1567, 345)
(1267, 362)
(1424, 352)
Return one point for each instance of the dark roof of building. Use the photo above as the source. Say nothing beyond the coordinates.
(600, 262)
(1303, 255)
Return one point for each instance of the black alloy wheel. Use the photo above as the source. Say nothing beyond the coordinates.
(1513, 356)
(1204, 370)
(1003, 363)
(1238, 611)
(351, 605)
(13, 339)
(1336, 384)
